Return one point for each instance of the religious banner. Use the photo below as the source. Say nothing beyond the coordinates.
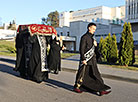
(38, 29)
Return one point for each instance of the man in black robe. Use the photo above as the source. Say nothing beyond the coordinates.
(88, 77)
(54, 57)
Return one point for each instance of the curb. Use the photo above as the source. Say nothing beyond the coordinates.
(132, 80)
(113, 77)
(7, 60)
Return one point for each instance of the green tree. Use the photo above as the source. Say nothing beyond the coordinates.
(12, 26)
(114, 51)
(100, 44)
(130, 42)
(52, 19)
(122, 53)
(126, 51)
(103, 49)
(109, 46)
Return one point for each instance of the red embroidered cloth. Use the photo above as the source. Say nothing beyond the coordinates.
(39, 29)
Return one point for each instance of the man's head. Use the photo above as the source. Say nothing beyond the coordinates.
(91, 28)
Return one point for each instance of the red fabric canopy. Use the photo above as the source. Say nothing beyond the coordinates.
(39, 29)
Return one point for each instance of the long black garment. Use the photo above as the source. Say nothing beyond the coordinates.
(20, 54)
(54, 57)
(35, 63)
(88, 77)
(28, 57)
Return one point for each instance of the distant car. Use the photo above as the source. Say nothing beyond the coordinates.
(6, 37)
(2, 36)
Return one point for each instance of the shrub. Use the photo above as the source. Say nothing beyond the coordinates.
(11, 49)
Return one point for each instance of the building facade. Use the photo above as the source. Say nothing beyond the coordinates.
(102, 14)
(132, 11)
(78, 28)
(73, 24)
(132, 17)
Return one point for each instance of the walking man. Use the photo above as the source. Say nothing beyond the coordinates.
(88, 77)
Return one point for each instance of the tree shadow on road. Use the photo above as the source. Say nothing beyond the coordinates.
(12, 61)
(8, 69)
(56, 84)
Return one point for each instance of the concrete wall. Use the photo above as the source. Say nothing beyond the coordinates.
(64, 31)
(135, 36)
(77, 29)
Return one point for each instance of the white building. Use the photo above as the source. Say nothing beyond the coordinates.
(132, 17)
(102, 14)
(78, 28)
(73, 24)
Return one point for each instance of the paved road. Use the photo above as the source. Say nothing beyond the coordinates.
(58, 89)
(71, 64)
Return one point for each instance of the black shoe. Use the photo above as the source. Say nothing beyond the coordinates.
(55, 72)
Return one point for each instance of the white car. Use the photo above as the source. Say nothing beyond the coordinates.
(6, 37)
(2, 36)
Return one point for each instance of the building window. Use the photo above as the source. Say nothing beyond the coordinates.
(117, 20)
(98, 20)
(61, 33)
(134, 7)
(113, 21)
(122, 21)
(67, 33)
(137, 7)
(129, 9)
(92, 20)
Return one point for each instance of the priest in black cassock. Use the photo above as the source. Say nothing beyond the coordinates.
(54, 57)
(88, 77)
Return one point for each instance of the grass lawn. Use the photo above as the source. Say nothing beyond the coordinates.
(11, 44)
(133, 67)
(65, 55)
(5, 47)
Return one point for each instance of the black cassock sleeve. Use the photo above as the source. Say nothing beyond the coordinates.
(98, 55)
(82, 47)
